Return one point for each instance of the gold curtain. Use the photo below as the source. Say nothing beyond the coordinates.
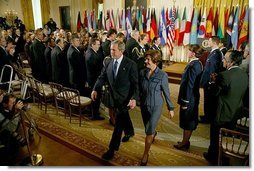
(27, 11)
(45, 11)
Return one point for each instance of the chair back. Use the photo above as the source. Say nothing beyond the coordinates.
(57, 90)
(72, 96)
(233, 144)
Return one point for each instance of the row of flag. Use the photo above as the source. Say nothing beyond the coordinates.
(175, 29)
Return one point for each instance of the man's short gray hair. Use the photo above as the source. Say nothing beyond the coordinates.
(121, 45)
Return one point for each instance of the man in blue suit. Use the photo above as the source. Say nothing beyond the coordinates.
(122, 76)
(213, 65)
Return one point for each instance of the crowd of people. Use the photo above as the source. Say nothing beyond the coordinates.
(134, 75)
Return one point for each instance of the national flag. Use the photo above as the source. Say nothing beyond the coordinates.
(89, 26)
(193, 34)
(221, 27)
(171, 31)
(226, 17)
(136, 19)
(148, 21)
(241, 20)
(215, 23)
(117, 20)
(107, 20)
(140, 21)
(177, 25)
(229, 28)
(202, 26)
(234, 35)
(93, 20)
(182, 28)
(112, 21)
(123, 20)
(144, 19)
(128, 22)
(79, 22)
(153, 31)
(209, 25)
(103, 24)
(186, 38)
(162, 28)
(100, 21)
(243, 37)
(85, 20)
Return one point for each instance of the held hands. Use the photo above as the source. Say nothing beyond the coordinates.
(94, 95)
(171, 114)
(19, 105)
(132, 104)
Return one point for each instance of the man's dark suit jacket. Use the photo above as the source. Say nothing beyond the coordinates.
(106, 47)
(47, 55)
(58, 65)
(38, 60)
(4, 60)
(230, 88)
(77, 70)
(213, 65)
(130, 45)
(94, 65)
(125, 86)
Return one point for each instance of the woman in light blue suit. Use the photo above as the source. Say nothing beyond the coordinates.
(153, 83)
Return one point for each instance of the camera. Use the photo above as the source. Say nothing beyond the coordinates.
(26, 107)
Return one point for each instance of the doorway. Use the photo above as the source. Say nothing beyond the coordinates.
(65, 17)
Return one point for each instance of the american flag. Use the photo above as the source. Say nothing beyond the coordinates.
(171, 30)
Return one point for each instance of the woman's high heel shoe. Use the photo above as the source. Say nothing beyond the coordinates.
(143, 163)
(180, 146)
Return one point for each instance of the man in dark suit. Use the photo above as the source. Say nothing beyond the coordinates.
(77, 70)
(50, 45)
(213, 65)
(37, 56)
(122, 76)
(94, 64)
(156, 46)
(111, 36)
(5, 59)
(132, 43)
(57, 61)
(229, 87)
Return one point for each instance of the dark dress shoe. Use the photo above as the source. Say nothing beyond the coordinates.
(98, 118)
(111, 123)
(203, 119)
(180, 146)
(210, 158)
(127, 137)
(108, 155)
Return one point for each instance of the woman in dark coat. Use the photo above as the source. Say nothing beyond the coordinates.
(188, 97)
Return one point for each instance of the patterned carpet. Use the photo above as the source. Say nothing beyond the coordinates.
(93, 137)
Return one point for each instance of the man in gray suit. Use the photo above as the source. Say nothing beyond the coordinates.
(229, 87)
(122, 76)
